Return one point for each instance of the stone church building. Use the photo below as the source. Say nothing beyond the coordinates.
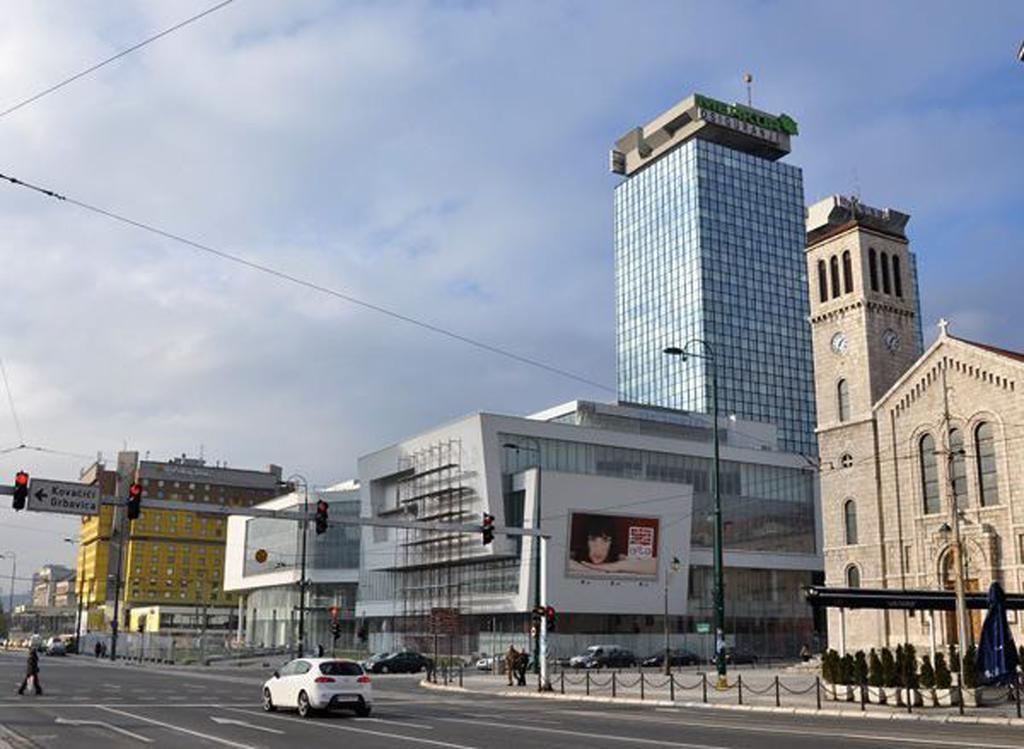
(903, 433)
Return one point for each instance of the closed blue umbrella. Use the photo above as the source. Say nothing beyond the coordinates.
(997, 653)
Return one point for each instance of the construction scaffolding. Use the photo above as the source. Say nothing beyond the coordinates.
(429, 565)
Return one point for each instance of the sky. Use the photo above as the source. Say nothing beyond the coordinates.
(447, 161)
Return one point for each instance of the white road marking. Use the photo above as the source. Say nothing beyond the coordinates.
(728, 725)
(352, 729)
(564, 732)
(101, 724)
(172, 727)
(234, 722)
(396, 723)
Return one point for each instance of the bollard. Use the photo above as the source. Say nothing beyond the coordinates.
(641, 686)
(863, 696)
(778, 701)
(672, 689)
(588, 683)
(910, 700)
(613, 685)
(460, 676)
(1016, 693)
(960, 691)
(817, 690)
(739, 687)
(561, 681)
(704, 685)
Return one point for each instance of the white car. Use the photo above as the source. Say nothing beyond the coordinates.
(311, 684)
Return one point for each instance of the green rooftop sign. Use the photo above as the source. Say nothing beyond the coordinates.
(782, 123)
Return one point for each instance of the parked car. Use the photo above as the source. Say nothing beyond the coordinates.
(368, 663)
(740, 657)
(594, 650)
(608, 656)
(311, 684)
(485, 663)
(678, 657)
(403, 662)
(55, 646)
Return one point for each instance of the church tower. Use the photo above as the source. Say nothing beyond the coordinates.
(865, 332)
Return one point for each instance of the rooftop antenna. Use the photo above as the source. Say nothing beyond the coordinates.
(748, 78)
(201, 451)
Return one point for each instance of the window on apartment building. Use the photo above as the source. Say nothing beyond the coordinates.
(929, 474)
(988, 477)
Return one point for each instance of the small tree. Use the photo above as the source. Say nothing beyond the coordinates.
(846, 669)
(1020, 657)
(876, 677)
(901, 666)
(828, 666)
(860, 669)
(910, 680)
(954, 659)
(970, 668)
(943, 677)
(888, 668)
(927, 673)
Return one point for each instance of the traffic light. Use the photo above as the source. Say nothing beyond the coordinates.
(551, 615)
(134, 501)
(488, 528)
(20, 490)
(321, 517)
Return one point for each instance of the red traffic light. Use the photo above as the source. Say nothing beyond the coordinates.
(20, 490)
(21, 479)
(334, 612)
(135, 491)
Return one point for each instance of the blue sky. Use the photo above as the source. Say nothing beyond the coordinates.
(447, 160)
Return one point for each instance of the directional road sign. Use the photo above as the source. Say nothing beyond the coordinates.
(46, 495)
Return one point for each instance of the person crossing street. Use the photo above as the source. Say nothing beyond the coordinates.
(31, 672)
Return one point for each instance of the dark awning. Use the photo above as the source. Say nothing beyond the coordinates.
(908, 600)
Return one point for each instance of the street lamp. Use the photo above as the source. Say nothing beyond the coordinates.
(80, 579)
(302, 574)
(672, 569)
(709, 355)
(540, 641)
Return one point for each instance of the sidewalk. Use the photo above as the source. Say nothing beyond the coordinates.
(794, 695)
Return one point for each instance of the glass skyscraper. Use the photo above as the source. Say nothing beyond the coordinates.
(709, 245)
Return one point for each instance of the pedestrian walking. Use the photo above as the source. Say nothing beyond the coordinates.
(522, 664)
(319, 650)
(31, 672)
(510, 662)
(98, 650)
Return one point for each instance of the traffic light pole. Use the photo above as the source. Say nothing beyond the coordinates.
(544, 685)
(302, 575)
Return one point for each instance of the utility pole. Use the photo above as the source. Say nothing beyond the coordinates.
(302, 574)
(954, 524)
(127, 467)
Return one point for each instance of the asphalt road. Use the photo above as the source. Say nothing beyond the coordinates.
(90, 704)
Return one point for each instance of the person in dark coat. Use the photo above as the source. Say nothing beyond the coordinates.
(31, 672)
(522, 663)
(98, 650)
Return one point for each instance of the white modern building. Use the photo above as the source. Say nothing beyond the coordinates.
(263, 562)
(623, 491)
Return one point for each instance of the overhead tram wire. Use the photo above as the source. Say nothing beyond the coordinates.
(311, 285)
(118, 56)
(10, 402)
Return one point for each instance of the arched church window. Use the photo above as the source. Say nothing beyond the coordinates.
(850, 521)
(843, 400)
(929, 474)
(822, 281)
(897, 277)
(988, 476)
(834, 267)
(873, 268)
(847, 273)
(886, 283)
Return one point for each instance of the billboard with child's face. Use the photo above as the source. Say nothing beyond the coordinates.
(612, 546)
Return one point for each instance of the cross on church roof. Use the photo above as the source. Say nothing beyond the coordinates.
(943, 327)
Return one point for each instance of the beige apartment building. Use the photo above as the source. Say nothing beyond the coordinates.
(903, 431)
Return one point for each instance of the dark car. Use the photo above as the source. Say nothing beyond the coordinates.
(740, 657)
(405, 662)
(677, 658)
(610, 658)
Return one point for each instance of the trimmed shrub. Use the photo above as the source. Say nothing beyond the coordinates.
(927, 678)
(971, 668)
(943, 677)
(860, 668)
(910, 677)
(846, 669)
(888, 668)
(828, 666)
(901, 666)
(875, 676)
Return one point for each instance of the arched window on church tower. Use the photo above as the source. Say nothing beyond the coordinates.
(834, 267)
(847, 273)
(822, 281)
(853, 576)
(873, 268)
(897, 277)
(929, 474)
(959, 468)
(886, 284)
(843, 400)
(850, 521)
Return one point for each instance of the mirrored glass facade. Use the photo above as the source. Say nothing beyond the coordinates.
(709, 244)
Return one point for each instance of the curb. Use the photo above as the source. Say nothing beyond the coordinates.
(804, 711)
